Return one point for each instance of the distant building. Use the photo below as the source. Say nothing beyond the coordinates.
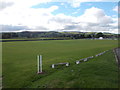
(100, 38)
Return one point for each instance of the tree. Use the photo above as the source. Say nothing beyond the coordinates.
(99, 35)
(6, 35)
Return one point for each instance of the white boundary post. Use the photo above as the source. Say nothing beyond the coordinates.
(77, 62)
(67, 64)
(39, 62)
(53, 66)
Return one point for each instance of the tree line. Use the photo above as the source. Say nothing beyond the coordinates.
(52, 34)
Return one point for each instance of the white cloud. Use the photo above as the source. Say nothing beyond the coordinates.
(115, 8)
(94, 15)
(75, 3)
(74, 12)
(53, 8)
(4, 5)
(62, 4)
(20, 15)
(26, 16)
(22, 3)
(95, 19)
(30, 3)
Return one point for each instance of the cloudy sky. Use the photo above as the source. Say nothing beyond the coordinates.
(59, 15)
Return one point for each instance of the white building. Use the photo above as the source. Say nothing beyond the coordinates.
(100, 38)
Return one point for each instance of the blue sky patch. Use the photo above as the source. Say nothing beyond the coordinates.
(68, 10)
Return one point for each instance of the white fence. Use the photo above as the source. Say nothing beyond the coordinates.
(39, 58)
(53, 65)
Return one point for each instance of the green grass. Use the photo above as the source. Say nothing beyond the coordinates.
(24, 38)
(19, 64)
(34, 38)
(98, 72)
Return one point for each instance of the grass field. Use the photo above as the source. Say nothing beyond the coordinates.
(20, 64)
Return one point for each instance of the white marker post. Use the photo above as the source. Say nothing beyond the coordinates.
(39, 58)
(53, 66)
(77, 62)
(67, 64)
